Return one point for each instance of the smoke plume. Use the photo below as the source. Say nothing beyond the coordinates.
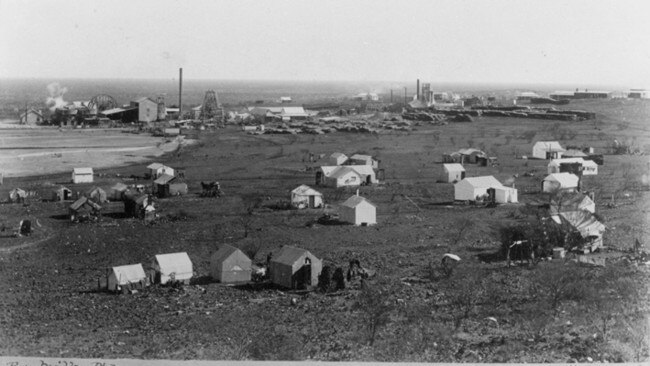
(55, 100)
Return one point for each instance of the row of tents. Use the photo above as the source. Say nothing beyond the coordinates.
(290, 267)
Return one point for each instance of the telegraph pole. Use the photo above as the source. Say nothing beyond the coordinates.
(180, 94)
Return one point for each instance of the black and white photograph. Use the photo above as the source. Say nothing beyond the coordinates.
(207, 182)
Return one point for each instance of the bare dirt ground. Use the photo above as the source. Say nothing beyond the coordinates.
(41, 151)
(50, 306)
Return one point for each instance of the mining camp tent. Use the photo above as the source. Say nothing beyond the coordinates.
(338, 176)
(338, 158)
(357, 210)
(560, 181)
(173, 267)
(469, 189)
(17, 195)
(547, 150)
(452, 173)
(97, 195)
(82, 175)
(295, 268)
(126, 276)
(230, 265)
(157, 169)
(306, 197)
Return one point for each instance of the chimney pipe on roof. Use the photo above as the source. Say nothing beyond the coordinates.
(417, 93)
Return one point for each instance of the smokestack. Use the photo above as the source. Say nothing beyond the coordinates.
(404, 95)
(180, 93)
(391, 95)
(417, 92)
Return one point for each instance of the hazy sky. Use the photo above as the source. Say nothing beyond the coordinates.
(581, 42)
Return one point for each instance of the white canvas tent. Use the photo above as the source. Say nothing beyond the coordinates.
(452, 173)
(230, 265)
(358, 210)
(173, 267)
(306, 197)
(547, 150)
(82, 175)
(560, 181)
(131, 275)
(469, 189)
(589, 167)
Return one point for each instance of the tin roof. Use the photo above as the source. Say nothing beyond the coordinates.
(355, 201)
(82, 171)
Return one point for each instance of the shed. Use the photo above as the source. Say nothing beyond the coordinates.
(155, 170)
(147, 109)
(230, 265)
(306, 197)
(173, 267)
(586, 224)
(547, 150)
(452, 173)
(358, 210)
(338, 158)
(469, 189)
(295, 268)
(61, 193)
(83, 206)
(126, 277)
(97, 195)
(82, 175)
(161, 185)
(136, 205)
(17, 195)
(560, 181)
(471, 155)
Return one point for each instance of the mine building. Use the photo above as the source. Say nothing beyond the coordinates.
(147, 109)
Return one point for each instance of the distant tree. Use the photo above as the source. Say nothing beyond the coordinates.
(464, 292)
(556, 282)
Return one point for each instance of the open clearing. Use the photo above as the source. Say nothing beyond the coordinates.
(50, 307)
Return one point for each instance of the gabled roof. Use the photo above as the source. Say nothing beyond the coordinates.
(453, 167)
(565, 179)
(585, 222)
(337, 155)
(362, 169)
(343, 170)
(197, 108)
(574, 202)
(305, 190)
(76, 205)
(164, 179)
(289, 255)
(224, 252)
(82, 171)
(293, 111)
(487, 181)
(550, 145)
(129, 273)
(31, 111)
(355, 201)
(143, 99)
(174, 263)
(155, 166)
